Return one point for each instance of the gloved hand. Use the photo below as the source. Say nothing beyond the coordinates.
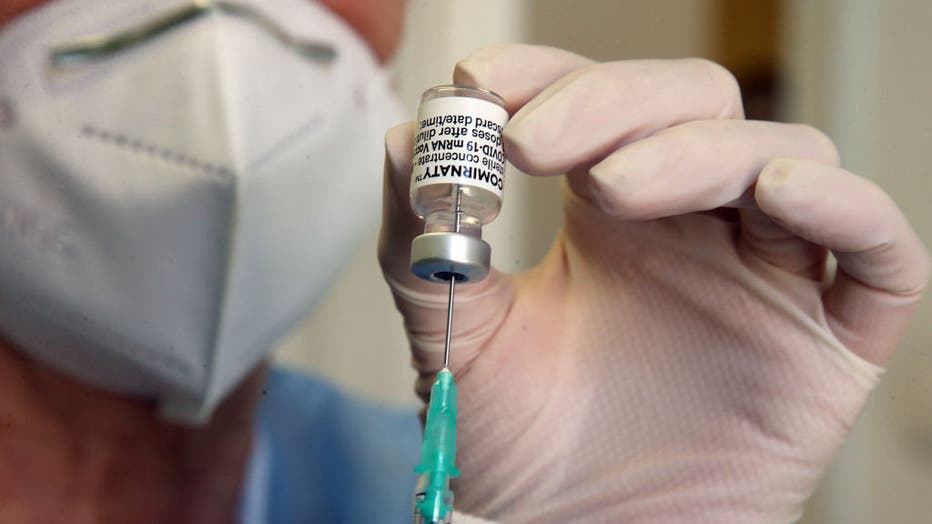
(680, 354)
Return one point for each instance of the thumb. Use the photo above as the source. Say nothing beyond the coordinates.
(480, 307)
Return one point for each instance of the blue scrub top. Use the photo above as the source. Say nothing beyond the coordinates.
(323, 456)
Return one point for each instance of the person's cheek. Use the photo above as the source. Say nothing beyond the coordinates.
(379, 23)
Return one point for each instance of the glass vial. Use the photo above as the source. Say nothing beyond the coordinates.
(457, 181)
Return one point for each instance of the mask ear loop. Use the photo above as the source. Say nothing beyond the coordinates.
(99, 47)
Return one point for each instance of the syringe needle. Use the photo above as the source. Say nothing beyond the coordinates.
(446, 344)
(457, 222)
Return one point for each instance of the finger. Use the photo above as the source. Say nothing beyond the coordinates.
(516, 72)
(587, 114)
(883, 267)
(399, 223)
(767, 240)
(698, 166)
(480, 306)
(705, 165)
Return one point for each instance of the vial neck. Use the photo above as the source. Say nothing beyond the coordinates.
(453, 222)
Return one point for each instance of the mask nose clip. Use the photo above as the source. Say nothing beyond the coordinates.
(101, 46)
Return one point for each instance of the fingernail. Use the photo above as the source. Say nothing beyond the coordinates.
(523, 148)
(534, 142)
(777, 173)
(604, 186)
(538, 124)
(471, 71)
(517, 131)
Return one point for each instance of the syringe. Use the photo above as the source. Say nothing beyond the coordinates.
(433, 499)
(457, 188)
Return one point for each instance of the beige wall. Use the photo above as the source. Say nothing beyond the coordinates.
(616, 30)
(861, 72)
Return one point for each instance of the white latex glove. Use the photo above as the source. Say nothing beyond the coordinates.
(677, 357)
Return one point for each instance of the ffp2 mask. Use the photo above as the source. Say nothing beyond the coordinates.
(169, 211)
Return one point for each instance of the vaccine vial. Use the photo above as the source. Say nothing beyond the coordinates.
(457, 182)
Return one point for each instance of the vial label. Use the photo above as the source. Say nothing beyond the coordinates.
(458, 140)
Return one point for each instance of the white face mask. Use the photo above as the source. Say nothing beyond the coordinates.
(169, 209)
